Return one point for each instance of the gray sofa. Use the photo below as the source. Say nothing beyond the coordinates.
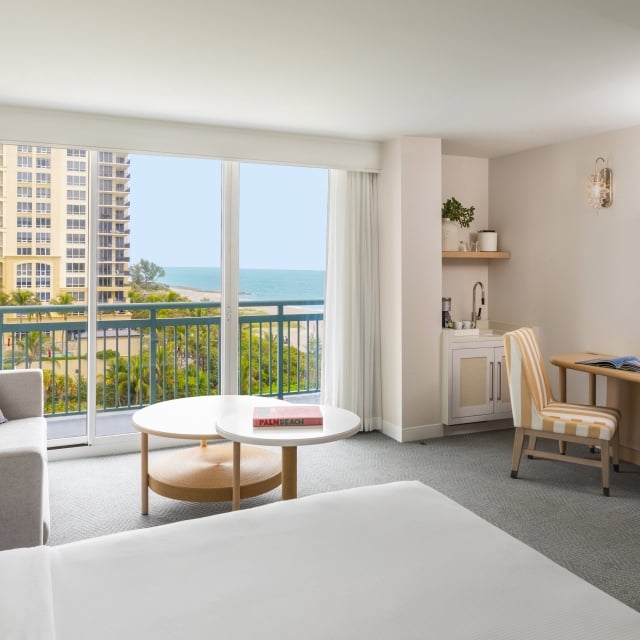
(24, 487)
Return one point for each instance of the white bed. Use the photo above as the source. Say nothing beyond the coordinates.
(390, 561)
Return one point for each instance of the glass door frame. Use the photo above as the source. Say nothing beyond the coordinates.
(229, 280)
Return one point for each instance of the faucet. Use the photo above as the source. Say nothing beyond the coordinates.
(475, 317)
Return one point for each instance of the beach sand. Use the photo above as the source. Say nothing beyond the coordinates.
(197, 295)
(295, 333)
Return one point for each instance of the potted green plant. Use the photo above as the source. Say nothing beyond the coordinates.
(454, 216)
(453, 210)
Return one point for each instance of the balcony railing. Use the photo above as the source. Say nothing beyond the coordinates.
(149, 352)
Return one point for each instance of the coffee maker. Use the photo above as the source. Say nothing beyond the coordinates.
(446, 312)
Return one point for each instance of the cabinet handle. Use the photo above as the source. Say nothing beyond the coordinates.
(492, 381)
(499, 380)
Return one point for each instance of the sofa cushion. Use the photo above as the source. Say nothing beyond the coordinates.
(25, 433)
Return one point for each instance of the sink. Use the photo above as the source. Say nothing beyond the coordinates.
(491, 333)
(466, 332)
(474, 333)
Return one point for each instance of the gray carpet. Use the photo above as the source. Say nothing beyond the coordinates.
(556, 508)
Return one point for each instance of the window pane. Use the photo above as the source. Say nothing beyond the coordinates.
(175, 255)
(283, 213)
(34, 272)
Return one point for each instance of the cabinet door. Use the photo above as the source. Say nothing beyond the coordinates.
(472, 382)
(502, 398)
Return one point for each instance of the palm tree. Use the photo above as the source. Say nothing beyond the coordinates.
(31, 348)
(24, 298)
(126, 382)
(66, 299)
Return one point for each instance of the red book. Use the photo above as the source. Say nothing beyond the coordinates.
(295, 415)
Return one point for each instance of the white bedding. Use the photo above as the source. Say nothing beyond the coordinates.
(390, 561)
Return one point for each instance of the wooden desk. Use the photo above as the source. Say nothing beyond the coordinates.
(620, 394)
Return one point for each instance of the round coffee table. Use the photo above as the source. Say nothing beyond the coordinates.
(237, 425)
(204, 473)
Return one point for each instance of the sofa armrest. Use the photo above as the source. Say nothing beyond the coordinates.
(23, 503)
(21, 393)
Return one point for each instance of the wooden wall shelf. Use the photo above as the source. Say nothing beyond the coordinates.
(476, 255)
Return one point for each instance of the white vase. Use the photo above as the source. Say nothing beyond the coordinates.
(450, 231)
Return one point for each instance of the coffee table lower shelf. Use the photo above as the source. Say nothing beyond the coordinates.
(205, 473)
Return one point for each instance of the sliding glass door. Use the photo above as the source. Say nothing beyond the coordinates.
(131, 279)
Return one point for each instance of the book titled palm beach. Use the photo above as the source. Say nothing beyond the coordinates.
(300, 415)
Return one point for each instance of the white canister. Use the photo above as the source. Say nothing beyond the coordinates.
(488, 239)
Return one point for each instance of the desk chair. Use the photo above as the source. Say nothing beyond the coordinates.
(537, 415)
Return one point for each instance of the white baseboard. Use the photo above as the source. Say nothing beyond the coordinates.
(411, 434)
(115, 445)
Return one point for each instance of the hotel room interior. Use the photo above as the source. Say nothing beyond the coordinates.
(503, 104)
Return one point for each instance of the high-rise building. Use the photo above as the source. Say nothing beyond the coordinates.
(44, 222)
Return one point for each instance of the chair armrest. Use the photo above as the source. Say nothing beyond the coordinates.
(21, 393)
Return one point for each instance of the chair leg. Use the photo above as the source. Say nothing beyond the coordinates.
(532, 445)
(616, 452)
(518, 444)
(562, 447)
(605, 462)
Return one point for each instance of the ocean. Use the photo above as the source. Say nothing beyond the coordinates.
(255, 284)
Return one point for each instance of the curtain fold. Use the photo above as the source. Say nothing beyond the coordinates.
(351, 370)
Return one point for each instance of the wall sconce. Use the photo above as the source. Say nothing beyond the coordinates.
(600, 189)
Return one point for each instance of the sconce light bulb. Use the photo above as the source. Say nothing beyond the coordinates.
(599, 187)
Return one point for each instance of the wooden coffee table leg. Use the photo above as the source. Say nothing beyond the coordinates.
(235, 501)
(289, 473)
(144, 472)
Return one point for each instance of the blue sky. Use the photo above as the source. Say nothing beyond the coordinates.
(175, 214)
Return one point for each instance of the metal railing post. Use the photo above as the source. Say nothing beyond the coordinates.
(2, 351)
(280, 351)
(153, 343)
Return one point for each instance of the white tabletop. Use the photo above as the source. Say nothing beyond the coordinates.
(237, 425)
(193, 418)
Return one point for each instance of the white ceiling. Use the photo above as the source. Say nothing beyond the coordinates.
(490, 77)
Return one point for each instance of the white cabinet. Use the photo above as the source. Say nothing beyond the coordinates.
(475, 386)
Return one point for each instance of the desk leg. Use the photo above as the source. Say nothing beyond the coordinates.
(289, 473)
(235, 501)
(592, 389)
(144, 473)
(562, 380)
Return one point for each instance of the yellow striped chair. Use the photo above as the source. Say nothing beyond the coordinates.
(537, 415)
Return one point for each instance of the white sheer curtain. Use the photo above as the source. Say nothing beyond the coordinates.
(351, 350)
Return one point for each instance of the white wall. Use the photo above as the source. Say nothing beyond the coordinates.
(411, 286)
(467, 180)
(390, 244)
(421, 284)
(573, 271)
